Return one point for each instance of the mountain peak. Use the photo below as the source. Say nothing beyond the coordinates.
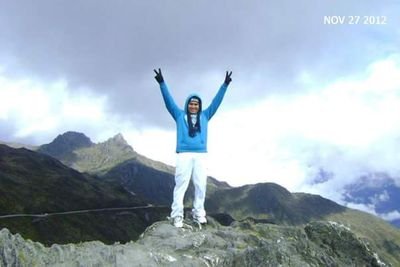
(119, 139)
(74, 139)
(101, 157)
(66, 143)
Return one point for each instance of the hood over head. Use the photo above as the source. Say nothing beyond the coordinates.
(188, 100)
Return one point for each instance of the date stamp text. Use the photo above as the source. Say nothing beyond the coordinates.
(355, 20)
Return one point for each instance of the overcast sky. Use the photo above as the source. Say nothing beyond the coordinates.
(307, 95)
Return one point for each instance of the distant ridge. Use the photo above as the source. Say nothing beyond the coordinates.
(271, 202)
(77, 151)
(19, 145)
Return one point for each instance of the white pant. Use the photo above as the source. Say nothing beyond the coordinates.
(189, 165)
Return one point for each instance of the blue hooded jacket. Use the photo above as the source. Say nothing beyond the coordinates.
(184, 142)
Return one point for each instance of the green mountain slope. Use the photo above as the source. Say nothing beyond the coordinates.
(31, 182)
(34, 183)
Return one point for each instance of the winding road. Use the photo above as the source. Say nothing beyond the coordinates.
(75, 212)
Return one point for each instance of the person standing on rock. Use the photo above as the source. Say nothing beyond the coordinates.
(191, 147)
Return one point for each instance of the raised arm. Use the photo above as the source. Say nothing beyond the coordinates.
(216, 102)
(172, 108)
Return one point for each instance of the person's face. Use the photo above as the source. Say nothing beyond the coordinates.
(193, 107)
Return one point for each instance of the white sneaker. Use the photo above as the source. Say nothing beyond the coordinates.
(178, 221)
(200, 219)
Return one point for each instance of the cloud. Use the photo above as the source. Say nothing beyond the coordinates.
(391, 216)
(366, 208)
(347, 128)
(378, 198)
(111, 49)
(370, 208)
(37, 109)
(32, 112)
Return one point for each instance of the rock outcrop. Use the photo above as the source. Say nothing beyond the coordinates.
(241, 244)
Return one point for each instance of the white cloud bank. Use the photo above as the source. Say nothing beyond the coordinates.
(40, 111)
(348, 128)
(391, 216)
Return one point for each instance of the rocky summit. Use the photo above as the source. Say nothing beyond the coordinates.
(243, 243)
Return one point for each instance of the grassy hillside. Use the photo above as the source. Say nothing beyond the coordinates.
(34, 183)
